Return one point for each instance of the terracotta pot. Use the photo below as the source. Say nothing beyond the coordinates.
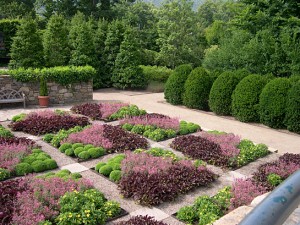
(43, 101)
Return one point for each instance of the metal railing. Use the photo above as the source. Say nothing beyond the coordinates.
(278, 205)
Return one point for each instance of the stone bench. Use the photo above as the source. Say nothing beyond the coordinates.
(12, 96)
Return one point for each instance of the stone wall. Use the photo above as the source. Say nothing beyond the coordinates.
(78, 92)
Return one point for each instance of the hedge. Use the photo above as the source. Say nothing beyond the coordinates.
(272, 102)
(156, 73)
(245, 98)
(292, 117)
(222, 89)
(174, 87)
(63, 75)
(197, 88)
(8, 27)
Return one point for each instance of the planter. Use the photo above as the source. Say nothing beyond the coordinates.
(43, 101)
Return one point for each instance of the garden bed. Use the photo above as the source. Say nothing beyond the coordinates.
(47, 121)
(60, 198)
(107, 111)
(158, 127)
(220, 149)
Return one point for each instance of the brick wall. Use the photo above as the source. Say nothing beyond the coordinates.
(78, 92)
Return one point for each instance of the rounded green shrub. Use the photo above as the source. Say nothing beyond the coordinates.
(76, 176)
(292, 117)
(117, 159)
(39, 166)
(4, 174)
(63, 173)
(22, 169)
(115, 175)
(245, 98)
(64, 147)
(115, 166)
(84, 155)
(43, 156)
(87, 147)
(69, 152)
(95, 152)
(187, 214)
(48, 137)
(221, 92)
(76, 145)
(99, 165)
(102, 150)
(105, 170)
(272, 102)
(78, 150)
(196, 89)
(51, 164)
(174, 87)
(29, 159)
(138, 129)
(127, 126)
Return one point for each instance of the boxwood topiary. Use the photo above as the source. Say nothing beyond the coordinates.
(95, 152)
(76, 145)
(88, 146)
(65, 146)
(22, 169)
(292, 117)
(115, 166)
(115, 175)
(245, 98)
(105, 170)
(174, 87)
(50, 164)
(84, 155)
(78, 150)
(222, 89)
(272, 102)
(196, 89)
(43, 156)
(76, 176)
(69, 152)
(99, 165)
(39, 166)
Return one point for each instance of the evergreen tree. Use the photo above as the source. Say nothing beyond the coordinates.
(113, 41)
(81, 42)
(55, 41)
(27, 48)
(127, 73)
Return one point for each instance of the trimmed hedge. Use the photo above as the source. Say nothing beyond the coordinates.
(272, 102)
(9, 28)
(174, 88)
(197, 88)
(63, 75)
(156, 73)
(292, 117)
(222, 89)
(245, 98)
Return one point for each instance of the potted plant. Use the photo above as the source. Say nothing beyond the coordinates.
(43, 97)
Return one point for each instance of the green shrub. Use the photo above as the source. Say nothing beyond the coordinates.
(65, 146)
(115, 165)
(187, 214)
(127, 111)
(29, 159)
(48, 137)
(76, 145)
(39, 166)
(99, 165)
(127, 126)
(245, 98)
(42, 156)
(292, 117)
(63, 173)
(250, 152)
(273, 101)
(22, 169)
(196, 89)
(76, 176)
(156, 73)
(84, 155)
(5, 133)
(96, 152)
(115, 175)
(69, 152)
(78, 150)
(117, 159)
(111, 208)
(63, 134)
(170, 133)
(88, 146)
(63, 75)
(274, 179)
(19, 117)
(8, 27)
(157, 135)
(4, 174)
(220, 93)
(105, 170)
(138, 129)
(50, 164)
(174, 87)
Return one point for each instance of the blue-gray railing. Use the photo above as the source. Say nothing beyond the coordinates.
(278, 205)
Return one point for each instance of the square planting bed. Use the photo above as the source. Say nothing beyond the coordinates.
(47, 121)
(220, 149)
(267, 177)
(151, 178)
(107, 111)
(60, 198)
(158, 127)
